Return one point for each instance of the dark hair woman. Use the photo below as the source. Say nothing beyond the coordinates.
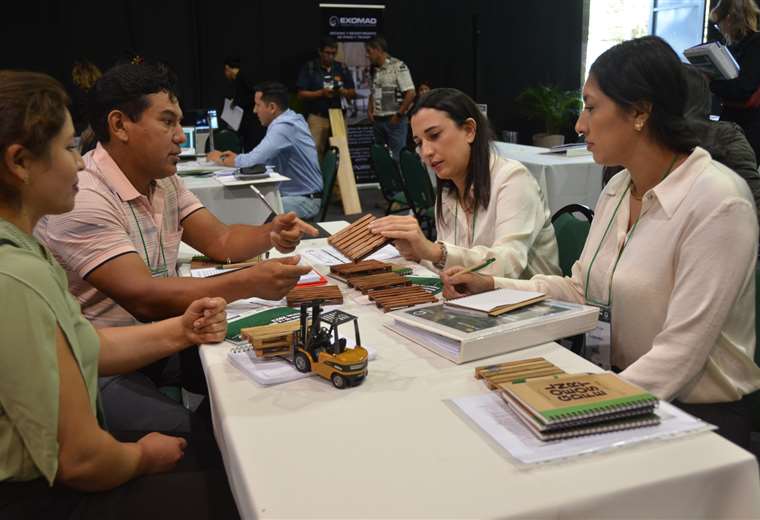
(672, 249)
(486, 206)
(54, 451)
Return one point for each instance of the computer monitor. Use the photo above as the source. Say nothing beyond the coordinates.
(212, 119)
(188, 147)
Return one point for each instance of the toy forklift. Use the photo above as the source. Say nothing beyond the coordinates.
(319, 349)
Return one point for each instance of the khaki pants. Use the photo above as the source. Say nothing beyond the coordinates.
(320, 130)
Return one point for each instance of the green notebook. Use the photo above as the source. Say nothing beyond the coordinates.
(431, 284)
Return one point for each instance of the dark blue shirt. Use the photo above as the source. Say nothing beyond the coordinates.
(315, 77)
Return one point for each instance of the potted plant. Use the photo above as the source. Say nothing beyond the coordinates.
(555, 107)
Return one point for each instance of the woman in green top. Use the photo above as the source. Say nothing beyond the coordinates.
(53, 448)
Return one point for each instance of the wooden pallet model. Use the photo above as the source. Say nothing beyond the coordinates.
(377, 281)
(514, 370)
(363, 268)
(329, 293)
(400, 297)
(273, 340)
(356, 241)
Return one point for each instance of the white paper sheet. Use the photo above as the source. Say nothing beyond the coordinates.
(328, 255)
(334, 226)
(206, 272)
(488, 301)
(232, 115)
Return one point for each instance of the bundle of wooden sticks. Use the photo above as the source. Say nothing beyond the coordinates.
(514, 370)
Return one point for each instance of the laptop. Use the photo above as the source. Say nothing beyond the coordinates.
(188, 147)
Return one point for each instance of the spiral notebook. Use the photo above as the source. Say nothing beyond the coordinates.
(571, 400)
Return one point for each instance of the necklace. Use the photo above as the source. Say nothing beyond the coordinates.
(634, 190)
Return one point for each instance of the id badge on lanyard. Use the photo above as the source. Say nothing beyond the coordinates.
(598, 346)
(160, 272)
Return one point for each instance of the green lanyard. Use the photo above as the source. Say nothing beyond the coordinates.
(164, 269)
(456, 220)
(628, 238)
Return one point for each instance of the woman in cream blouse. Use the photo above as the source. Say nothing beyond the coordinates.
(672, 248)
(486, 206)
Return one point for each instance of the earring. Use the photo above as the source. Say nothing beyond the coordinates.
(638, 126)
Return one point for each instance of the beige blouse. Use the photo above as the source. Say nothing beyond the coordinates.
(683, 292)
(515, 229)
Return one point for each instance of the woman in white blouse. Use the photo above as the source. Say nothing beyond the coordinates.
(672, 248)
(486, 206)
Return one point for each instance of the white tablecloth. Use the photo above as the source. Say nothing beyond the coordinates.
(564, 180)
(237, 204)
(392, 448)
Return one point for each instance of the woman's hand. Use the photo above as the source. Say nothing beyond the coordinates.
(205, 321)
(457, 283)
(160, 453)
(407, 237)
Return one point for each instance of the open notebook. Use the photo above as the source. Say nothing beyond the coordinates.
(498, 301)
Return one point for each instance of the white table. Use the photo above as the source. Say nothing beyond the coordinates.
(564, 180)
(392, 448)
(237, 204)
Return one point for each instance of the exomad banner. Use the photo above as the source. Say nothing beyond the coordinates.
(352, 26)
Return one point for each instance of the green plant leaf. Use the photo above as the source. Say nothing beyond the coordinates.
(554, 106)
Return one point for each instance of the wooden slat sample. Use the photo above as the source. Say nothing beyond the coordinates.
(356, 241)
(399, 297)
(363, 268)
(377, 281)
(329, 293)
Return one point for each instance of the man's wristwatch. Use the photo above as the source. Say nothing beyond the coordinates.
(441, 263)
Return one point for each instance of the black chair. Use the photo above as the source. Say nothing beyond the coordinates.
(419, 190)
(225, 140)
(329, 174)
(391, 185)
(571, 234)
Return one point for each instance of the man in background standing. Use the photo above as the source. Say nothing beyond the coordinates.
(250, 131)
(391, 98)
(322, 84)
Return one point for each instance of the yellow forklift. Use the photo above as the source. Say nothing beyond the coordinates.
(320, 349)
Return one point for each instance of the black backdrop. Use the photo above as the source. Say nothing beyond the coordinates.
(518, 43)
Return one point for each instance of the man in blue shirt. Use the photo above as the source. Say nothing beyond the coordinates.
(322, 84)
(288, 146)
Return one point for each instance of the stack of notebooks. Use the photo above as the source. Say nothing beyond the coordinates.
(570, 405)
